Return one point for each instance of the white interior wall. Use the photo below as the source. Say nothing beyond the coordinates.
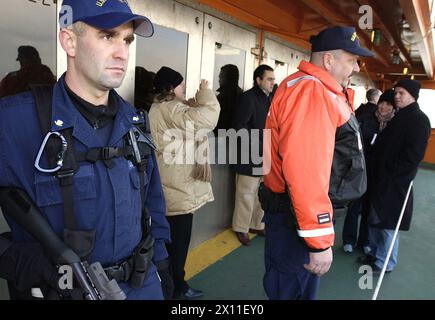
(426, 102)
(26, 23)
(276, 51)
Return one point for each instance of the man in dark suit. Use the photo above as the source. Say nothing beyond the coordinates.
(250, 115)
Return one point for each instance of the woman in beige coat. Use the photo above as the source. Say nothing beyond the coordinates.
(180, 129)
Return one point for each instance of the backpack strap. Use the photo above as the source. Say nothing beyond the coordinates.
(44, 98)
(141, 152)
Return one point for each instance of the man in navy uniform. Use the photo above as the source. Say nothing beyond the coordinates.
(110, 195)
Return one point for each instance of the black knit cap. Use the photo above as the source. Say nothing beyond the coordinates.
(387, 96)
(412, 86)
(166, 78)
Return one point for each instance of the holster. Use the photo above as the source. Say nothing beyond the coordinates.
(134, 270)
(142, 262)
(274, 203)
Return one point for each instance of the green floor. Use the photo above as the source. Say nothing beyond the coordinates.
(239, 275)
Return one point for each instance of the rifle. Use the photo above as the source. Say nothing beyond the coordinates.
(92, 279)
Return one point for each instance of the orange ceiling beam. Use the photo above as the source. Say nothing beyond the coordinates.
(257, 13)
(265, 16)
(229, 9)
(429, 84)
(417, 14)
(271, 12)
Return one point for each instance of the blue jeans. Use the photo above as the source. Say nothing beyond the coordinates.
(380, 241)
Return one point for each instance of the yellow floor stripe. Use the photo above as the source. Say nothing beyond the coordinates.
(210, 251)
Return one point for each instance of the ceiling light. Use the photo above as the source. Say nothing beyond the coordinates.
(376, 37)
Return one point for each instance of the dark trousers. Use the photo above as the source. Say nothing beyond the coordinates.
(350, 227)
(285, 255)
(181, 230)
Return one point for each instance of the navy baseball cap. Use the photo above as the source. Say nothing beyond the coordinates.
(335, 38)
(107, 14)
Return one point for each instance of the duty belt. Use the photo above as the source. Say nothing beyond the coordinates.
(134, 270)
(274, 202)
(120, 272)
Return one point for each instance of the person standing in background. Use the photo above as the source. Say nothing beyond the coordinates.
(371, 124)
(397, 153)
(186, 185)
(251, 115)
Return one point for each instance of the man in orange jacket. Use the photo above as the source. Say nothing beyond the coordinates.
(314, 165)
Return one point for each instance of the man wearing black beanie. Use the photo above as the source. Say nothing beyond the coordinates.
(412, 86)
(397, 153)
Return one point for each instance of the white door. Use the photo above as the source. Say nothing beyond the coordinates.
(225, 43)
(280, 58)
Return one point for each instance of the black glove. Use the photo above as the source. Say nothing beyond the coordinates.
(26, 266)
(164, 270)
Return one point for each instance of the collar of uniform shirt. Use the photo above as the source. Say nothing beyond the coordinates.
(97, 116)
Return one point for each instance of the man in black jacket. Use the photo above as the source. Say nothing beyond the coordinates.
(228, 97)
(370, 107)
(251, 115)
(397, 153)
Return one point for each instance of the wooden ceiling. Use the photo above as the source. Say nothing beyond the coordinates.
(404, 27)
